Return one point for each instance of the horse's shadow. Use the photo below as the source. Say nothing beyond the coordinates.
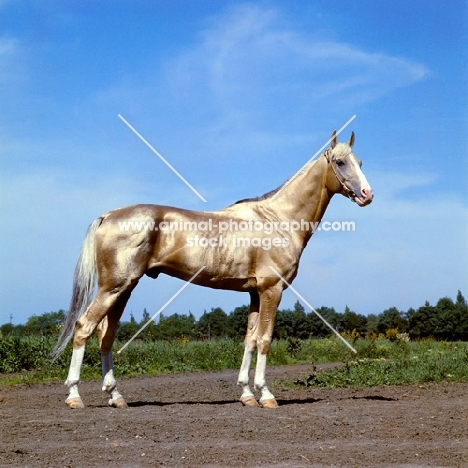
(138, 404)
(295, 401)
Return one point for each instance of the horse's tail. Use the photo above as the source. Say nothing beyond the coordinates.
(83, 288)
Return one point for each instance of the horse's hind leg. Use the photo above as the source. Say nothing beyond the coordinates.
(98, 309)
(74, 400)
(106, 331)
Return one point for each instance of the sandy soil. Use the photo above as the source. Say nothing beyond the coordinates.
(196, 420)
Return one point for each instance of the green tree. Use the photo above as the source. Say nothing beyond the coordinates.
(461, 318)
(47, 324)
(351, 321)
(7, 329)
(391, 318)
(149, 333)
(238, 321)
(214, 324)
(176, 326)
(300, 325)
(372, 321)
(169, 328)
(460, 299)
(423, 321)
(446, 319)
(126, 330)
(316, 325)
(284, 324)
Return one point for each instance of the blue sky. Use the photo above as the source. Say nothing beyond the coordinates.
(237, 96)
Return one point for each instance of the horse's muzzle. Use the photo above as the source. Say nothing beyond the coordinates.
(366, 197)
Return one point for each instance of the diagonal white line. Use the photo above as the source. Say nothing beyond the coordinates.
(162, 158)
(313, 310)
(161, 309)
(313, 157)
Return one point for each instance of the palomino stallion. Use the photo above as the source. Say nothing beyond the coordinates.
(251, 246)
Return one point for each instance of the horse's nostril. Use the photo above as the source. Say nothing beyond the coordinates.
(367, 193)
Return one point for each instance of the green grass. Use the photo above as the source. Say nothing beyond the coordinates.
(26, 360)
(414, 363)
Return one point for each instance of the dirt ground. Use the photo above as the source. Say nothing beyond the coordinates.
(195, 420)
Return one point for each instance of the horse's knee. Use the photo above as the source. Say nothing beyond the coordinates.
(82, 332)
(250, 341)
(79, 341)
(263, 345)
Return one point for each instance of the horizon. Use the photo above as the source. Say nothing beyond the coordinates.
(307, 311)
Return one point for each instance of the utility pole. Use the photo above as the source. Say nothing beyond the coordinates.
(11, 317)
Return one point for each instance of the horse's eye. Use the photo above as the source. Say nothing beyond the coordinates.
(340, 162)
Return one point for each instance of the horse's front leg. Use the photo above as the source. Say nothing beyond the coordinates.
(250, 343)
(269, 302)
(267, 399)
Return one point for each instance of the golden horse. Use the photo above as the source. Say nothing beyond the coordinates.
(252, 246)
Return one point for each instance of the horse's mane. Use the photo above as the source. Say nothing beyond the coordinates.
(261, 197)
(286, 182)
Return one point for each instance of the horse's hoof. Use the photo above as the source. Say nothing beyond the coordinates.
(74, 403)
(118, 403)
(249, 401)
(269, 403)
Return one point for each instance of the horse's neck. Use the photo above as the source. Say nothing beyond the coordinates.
(305, 198)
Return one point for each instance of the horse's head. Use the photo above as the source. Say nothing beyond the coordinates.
(344, 173)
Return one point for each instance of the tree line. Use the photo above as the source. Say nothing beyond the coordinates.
(447, 320)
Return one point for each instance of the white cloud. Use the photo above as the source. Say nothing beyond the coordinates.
(252, 85)
(249, 64)
(252, 73)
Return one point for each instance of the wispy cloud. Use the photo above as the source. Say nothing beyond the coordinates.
(251, 65)
(251, 73)
(254, 84)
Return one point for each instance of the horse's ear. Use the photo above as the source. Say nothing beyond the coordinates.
(334, 139)
(351, 140)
